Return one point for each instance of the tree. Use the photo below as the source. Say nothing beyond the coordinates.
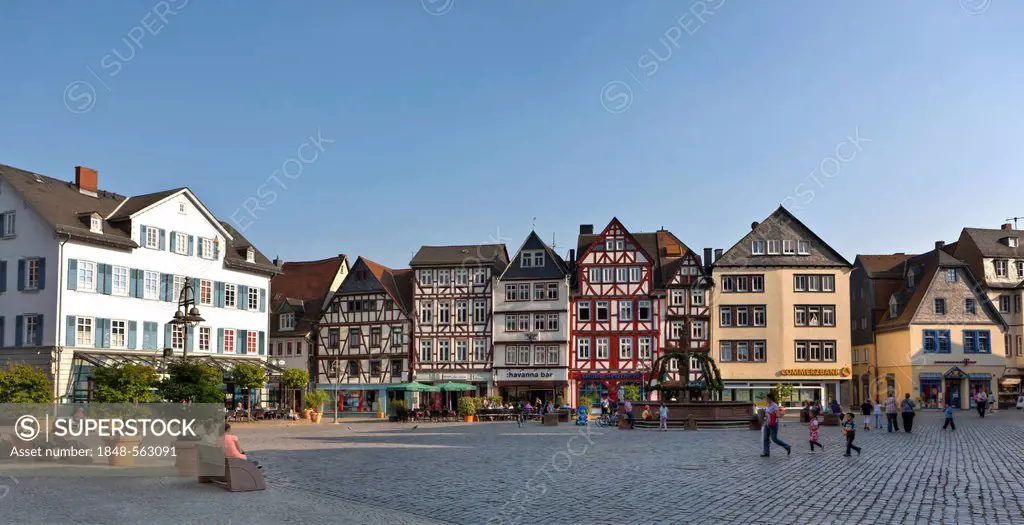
(295, 379)
(125, 383)
(712, 382)
(631, 392)
(249, 376)
(192, 381)
(22, 383)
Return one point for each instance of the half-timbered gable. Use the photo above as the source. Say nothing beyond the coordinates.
(452, 308)
(297, 296)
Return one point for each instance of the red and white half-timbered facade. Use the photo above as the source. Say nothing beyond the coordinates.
(686, 305)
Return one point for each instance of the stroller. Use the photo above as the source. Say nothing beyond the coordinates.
(581, 416)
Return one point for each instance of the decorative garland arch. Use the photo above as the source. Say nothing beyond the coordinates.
(712, 376)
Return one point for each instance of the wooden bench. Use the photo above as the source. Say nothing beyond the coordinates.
(239, 474)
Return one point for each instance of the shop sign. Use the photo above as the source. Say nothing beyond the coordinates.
(455, 377)
(530, 374)
(963, 362)
(1011, 381)
(612, 375)
(820, 372)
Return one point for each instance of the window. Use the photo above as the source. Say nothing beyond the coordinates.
(602, 347)
(396, 367)
(697, 298)
(524, 355)
(811, 315)
(725, 351)
(643, 310)
(609, 245)
(608, 275)
(757, 248)
(7, 222)
(84, 331)
(461, 351)
(602, 310)
(759, 351)
(828, 316)
(119, 280)
(426, 351)
(254, 298)
(801, 351)
(32, 274)
(523, 292)
(742, 351)
(621, 274)
(150, 285)
(442, 277)
(540, 355)
(178, 283)
(803, 247)
(936, 341)
(87, 276)
(698, 329)
(180, 243)
(583, 311)
(511, 355)
(510, 292)
(634, 274)
(355, 337)
(552, 291)
(741, 316)
(118, 334)
(818, 351)
(178, 336)
(940, 306)
(461, 276)
(969, 306)
(204, 339)
(894, 308)
(375, 336)
(396, 336)
(532, 259)
(444, 352)
(725, 316)
(828, 283)
(759, 316)
(1004, 304)
(675, 330)
(1020, 269)
(353, 367)
(538, 292)
(815, 348)
(552, 355)
(830, 350)
(479, 311)
(645, 346)
(742, 283)
(799, 283)
(153, 238)
(1001, 266)
(206, 292)
(538, 322)
(427, 312)
(773, 247)
(511, 322)
(677, 298)
(480, 276)
(1020, 347)
(31, 329)
(594, 275)
(207, 248)
(1016, 303)
(787, 247)
(552, 322)
(479, 350)
(289, 348)
(951, 275)
(461, 311)
(625, 348)
(756, 283)
(727, 284)
(977, 342)
(333, 338)
(425, 277)
(625, 310)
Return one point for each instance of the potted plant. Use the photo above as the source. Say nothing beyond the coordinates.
(315, 402)
(467, 408)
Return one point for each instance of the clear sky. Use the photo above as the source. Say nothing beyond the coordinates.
(459, 121)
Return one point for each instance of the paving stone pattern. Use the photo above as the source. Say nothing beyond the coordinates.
(497, 473)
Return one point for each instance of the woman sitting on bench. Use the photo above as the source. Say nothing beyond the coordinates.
(231, 448)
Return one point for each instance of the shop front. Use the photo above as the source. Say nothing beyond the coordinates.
(610, 384)
(481, 380)
(954, 382)
(1010, 388)
(353, 399)
(815, 385)
(522, 385)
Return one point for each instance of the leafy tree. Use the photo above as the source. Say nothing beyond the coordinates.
(250, 376)
(193, 381)
(125, 383)
(22, 383)
(632, 392)
(295, 379)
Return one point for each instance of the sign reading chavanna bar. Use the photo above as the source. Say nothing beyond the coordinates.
(531, 374)
(821, 372)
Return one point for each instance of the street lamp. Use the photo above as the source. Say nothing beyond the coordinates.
(187, 314)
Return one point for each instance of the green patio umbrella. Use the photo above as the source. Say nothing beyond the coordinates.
(414, 387)
(456, 387)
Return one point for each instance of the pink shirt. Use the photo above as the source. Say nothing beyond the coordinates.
(231, 449)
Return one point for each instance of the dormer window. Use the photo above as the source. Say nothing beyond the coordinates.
(787, 247)
(95, 224)
(894, 308)
(910, 279)
(250, 254)
(361, 275)
(803, 247)
(1012, 242)
(757, 247)
(532, 259)
(1001, 266)
(287, 321)
(773, 247)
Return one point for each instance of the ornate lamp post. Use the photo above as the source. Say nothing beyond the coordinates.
(187, 314)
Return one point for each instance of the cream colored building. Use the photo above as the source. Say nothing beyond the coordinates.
(781, 315)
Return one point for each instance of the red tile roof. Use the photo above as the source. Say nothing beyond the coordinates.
(305, 280)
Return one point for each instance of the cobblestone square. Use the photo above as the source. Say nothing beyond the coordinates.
(499, 473)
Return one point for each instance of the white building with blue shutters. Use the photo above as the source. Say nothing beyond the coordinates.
(89, 277)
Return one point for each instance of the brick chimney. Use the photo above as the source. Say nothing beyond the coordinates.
(1007, 227)
(586, 229)
(87, 180)
(718, 254)
(707, 256)
(940, 244)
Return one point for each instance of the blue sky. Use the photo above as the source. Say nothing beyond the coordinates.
(461, 125)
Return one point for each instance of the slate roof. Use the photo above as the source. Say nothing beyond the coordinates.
(138, 203)
(988, 244)
(781, 225)
(554, 266)
(396, 283)
(469, 255)
(302, 287)
(235, 254)
(883, 266)
(654, 244)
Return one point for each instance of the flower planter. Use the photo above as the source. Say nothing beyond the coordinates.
(380, 415)
(468, 419)
(307, 414)
(126, 459)
(186, 458)
(316, 417)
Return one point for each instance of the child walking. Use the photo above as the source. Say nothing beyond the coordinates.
(813, 426)
(878, 414)
(949, 418)
(663, 417)
(850, 430)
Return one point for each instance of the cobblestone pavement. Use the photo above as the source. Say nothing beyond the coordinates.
(500, 474)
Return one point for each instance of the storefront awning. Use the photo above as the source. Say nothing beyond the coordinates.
(456, 387)
(414, 387)
(930, 375)
(224, 363)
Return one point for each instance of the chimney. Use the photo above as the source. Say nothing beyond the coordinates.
(586, 229)
(87, 180)
(1007, 227)
(278, 262)
(718, 254)
(572, 255)
(939, 244)
(707, 256)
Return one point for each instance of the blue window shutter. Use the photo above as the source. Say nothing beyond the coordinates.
(69, 332)
(72, 274)
(220, 340)
(165, 288)
(262, 343)
(108, 279)
(191, 244)
(163, 239)
(40, 328)
(19, 330)
(3, 276)
(42, 273)
(171, 245)
(148, 335)
(133, 282)
(100, 276)
(132, 334)
(218, 294)
(3, 338)
(106, 333)
(243, 297)
(241, 341)
(167, 335)
(263, 299)
(142, 235)
(216, 249)
(189, 334)
(21, 274)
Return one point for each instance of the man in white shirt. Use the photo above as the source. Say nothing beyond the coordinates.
(981, 401)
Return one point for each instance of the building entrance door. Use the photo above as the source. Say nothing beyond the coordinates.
(953, 393)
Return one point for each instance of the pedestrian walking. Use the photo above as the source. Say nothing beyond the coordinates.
(907, 410)
(981, 402)
(890, 413)
(812, 425)
(992, 402)
(770, 432)
(663, 417)
(850, 431)
(878, 414)
(1020, 402)
(865, 410)
(836, 409)
(949, 418)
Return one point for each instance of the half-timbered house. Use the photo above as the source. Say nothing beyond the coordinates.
(452, 309)
(531, 325)
(685, 304)
(364, 337)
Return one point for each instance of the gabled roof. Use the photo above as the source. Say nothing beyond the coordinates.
(989, 242)
(469, 255)
(662, 247)
(925, 267)
(883, 266)
(395, 283)
(554, 267)
(781, 225)
(133, 205)
(235, 254)
(306, 280)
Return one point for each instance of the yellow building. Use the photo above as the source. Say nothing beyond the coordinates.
(939, 338)
(781, 315)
